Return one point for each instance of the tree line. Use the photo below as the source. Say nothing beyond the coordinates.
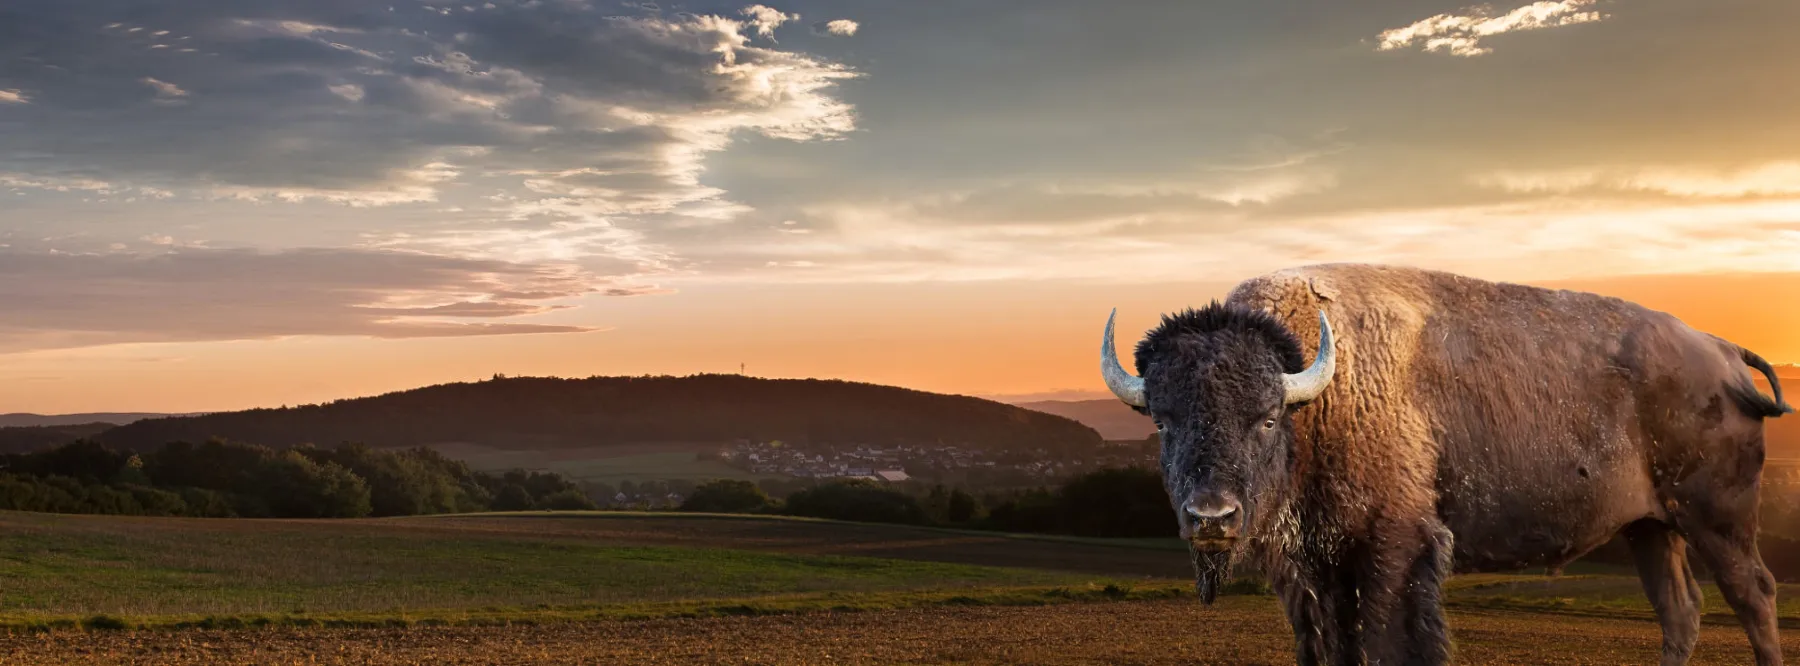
(219, 478)
(1113, 502)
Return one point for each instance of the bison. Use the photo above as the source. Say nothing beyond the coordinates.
(1446, 425)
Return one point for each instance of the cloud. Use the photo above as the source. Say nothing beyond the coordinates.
(1461, 34)
(57, 183)
(534, 150)
(764, 19)
(164, 90)
(1771, 179)
(651, 147)
(344, 103)
(1012, 235)
(837, 27)
(62, 299)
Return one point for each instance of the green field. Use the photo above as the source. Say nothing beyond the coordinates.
(64, 570)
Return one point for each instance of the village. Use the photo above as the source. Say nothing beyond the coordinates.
(897, 463)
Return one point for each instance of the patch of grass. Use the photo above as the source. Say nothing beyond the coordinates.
(1617, 594)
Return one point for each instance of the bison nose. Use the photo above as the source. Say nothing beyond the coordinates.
(1211, 517)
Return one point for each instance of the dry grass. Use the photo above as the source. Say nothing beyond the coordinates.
(1239, 630)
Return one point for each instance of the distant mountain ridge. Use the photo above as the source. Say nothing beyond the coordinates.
(546, 413)
(23, 420)
(1111, 418)
(25, 439)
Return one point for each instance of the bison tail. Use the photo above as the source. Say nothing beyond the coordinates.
(1752, 401)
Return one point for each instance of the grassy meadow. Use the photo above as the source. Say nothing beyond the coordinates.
(541, 569)
(67, 569)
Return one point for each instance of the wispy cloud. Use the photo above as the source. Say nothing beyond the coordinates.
(75, 299)
(13, 96)
(1538, 240)
(1461, 34)
(837, 27)
(1770, 179)
(164, 89)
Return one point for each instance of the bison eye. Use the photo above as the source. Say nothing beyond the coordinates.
(1269, 424)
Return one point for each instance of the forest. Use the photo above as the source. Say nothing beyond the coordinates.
(223, 479)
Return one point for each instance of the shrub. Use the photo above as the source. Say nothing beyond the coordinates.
(512, 497)
(727, 496)
(962, 507)
(291, 485)
(858, 500)
(568, 500)
(1120, 502)
(400, 483)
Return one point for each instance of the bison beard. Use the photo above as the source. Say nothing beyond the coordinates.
(1211, 569)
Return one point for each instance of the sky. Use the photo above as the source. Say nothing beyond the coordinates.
(222, 204)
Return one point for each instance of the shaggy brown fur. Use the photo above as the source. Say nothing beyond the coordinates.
(1470, 426)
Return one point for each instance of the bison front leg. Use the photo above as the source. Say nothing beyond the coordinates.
(1311, 615)
(1297, 601)
(1402, 611)
(1427, 633)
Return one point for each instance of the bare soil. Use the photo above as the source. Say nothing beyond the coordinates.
(1242, 630)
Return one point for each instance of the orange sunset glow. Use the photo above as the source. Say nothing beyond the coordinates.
(224, 206)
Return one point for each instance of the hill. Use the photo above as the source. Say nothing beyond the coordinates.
(1113, 419)
(547, 413)
(22, 420)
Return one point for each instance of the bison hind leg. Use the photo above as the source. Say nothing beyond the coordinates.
(1729, 551)
(1668, 578)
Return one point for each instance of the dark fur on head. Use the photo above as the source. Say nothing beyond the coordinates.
(1213, 373)
(1215, 317)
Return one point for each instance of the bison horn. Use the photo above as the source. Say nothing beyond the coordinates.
(1309, 383)
(1129, 389)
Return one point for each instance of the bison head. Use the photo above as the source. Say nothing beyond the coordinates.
(1220, 383)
